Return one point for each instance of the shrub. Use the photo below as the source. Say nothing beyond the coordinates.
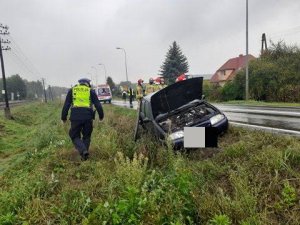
(220, 220)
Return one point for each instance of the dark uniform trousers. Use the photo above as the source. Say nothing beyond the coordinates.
(84, 128)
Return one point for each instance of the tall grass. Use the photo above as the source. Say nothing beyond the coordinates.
(253, 178)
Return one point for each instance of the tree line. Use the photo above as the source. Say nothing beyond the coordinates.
(23, 89)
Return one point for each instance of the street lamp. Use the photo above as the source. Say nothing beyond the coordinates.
(247, 69)
(96, 75)
(100, 64)
(125, 61)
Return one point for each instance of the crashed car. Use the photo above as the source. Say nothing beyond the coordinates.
(165, 113)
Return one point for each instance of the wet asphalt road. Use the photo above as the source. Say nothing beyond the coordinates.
(287, 118)
(274, 119)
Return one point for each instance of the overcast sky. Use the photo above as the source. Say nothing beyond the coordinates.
(62, 39)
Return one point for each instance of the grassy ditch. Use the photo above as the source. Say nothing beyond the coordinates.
(254, 178)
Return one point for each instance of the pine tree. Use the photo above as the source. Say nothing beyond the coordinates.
(110, 82)
(175, 64)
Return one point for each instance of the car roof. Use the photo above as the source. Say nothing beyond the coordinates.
(148, 97)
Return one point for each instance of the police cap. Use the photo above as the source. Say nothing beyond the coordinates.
(84, 81)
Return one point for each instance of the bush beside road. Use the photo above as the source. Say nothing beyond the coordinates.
(253, 178)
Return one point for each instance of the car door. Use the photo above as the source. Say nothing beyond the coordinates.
(148, 117)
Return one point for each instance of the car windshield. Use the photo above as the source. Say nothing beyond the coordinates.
(103, 91)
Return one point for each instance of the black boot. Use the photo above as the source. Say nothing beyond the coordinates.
(85, 156)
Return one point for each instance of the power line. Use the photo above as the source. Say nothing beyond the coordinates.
(286, 32)
(18, 57)
(22, 63)
(24, 59)
(14, 58)
(23, 54)
(18, 67)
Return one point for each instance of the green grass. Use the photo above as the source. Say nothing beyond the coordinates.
(253, 178)
(262, 103)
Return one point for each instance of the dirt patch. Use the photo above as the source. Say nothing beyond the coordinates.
(4, 155)
(202, 154)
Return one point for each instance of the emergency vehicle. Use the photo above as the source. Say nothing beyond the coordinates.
(104, 93)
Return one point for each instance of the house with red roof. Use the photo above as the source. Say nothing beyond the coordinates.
(229, 69)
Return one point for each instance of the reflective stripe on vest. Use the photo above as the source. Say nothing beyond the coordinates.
(81, 96)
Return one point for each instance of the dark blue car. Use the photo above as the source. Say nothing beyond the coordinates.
(165, 113)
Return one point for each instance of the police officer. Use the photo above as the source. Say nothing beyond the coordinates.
(124, 95)
(81, 98)
(130, 94)
(150, 88)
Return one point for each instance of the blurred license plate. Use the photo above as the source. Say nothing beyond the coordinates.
(200, 137)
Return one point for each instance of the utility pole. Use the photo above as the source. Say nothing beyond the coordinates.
(247, 63)
(4, 31)
(45, 95)
(264, 46)
(50, 92)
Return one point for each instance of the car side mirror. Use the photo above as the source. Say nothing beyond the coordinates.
(203, 97)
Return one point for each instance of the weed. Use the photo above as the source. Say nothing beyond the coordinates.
(130, 172)
(8, 219)
(220, 220)
(236, 150)
(288, 195)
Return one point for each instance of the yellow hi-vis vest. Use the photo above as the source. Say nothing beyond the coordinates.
(139, 92)
(81, 96)
(161, 86)
(150, 88)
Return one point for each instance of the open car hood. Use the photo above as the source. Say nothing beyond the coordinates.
(176, 95)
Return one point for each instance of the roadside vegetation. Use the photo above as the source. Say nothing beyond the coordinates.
(273, 77)
(23, 89)
(253, 178)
